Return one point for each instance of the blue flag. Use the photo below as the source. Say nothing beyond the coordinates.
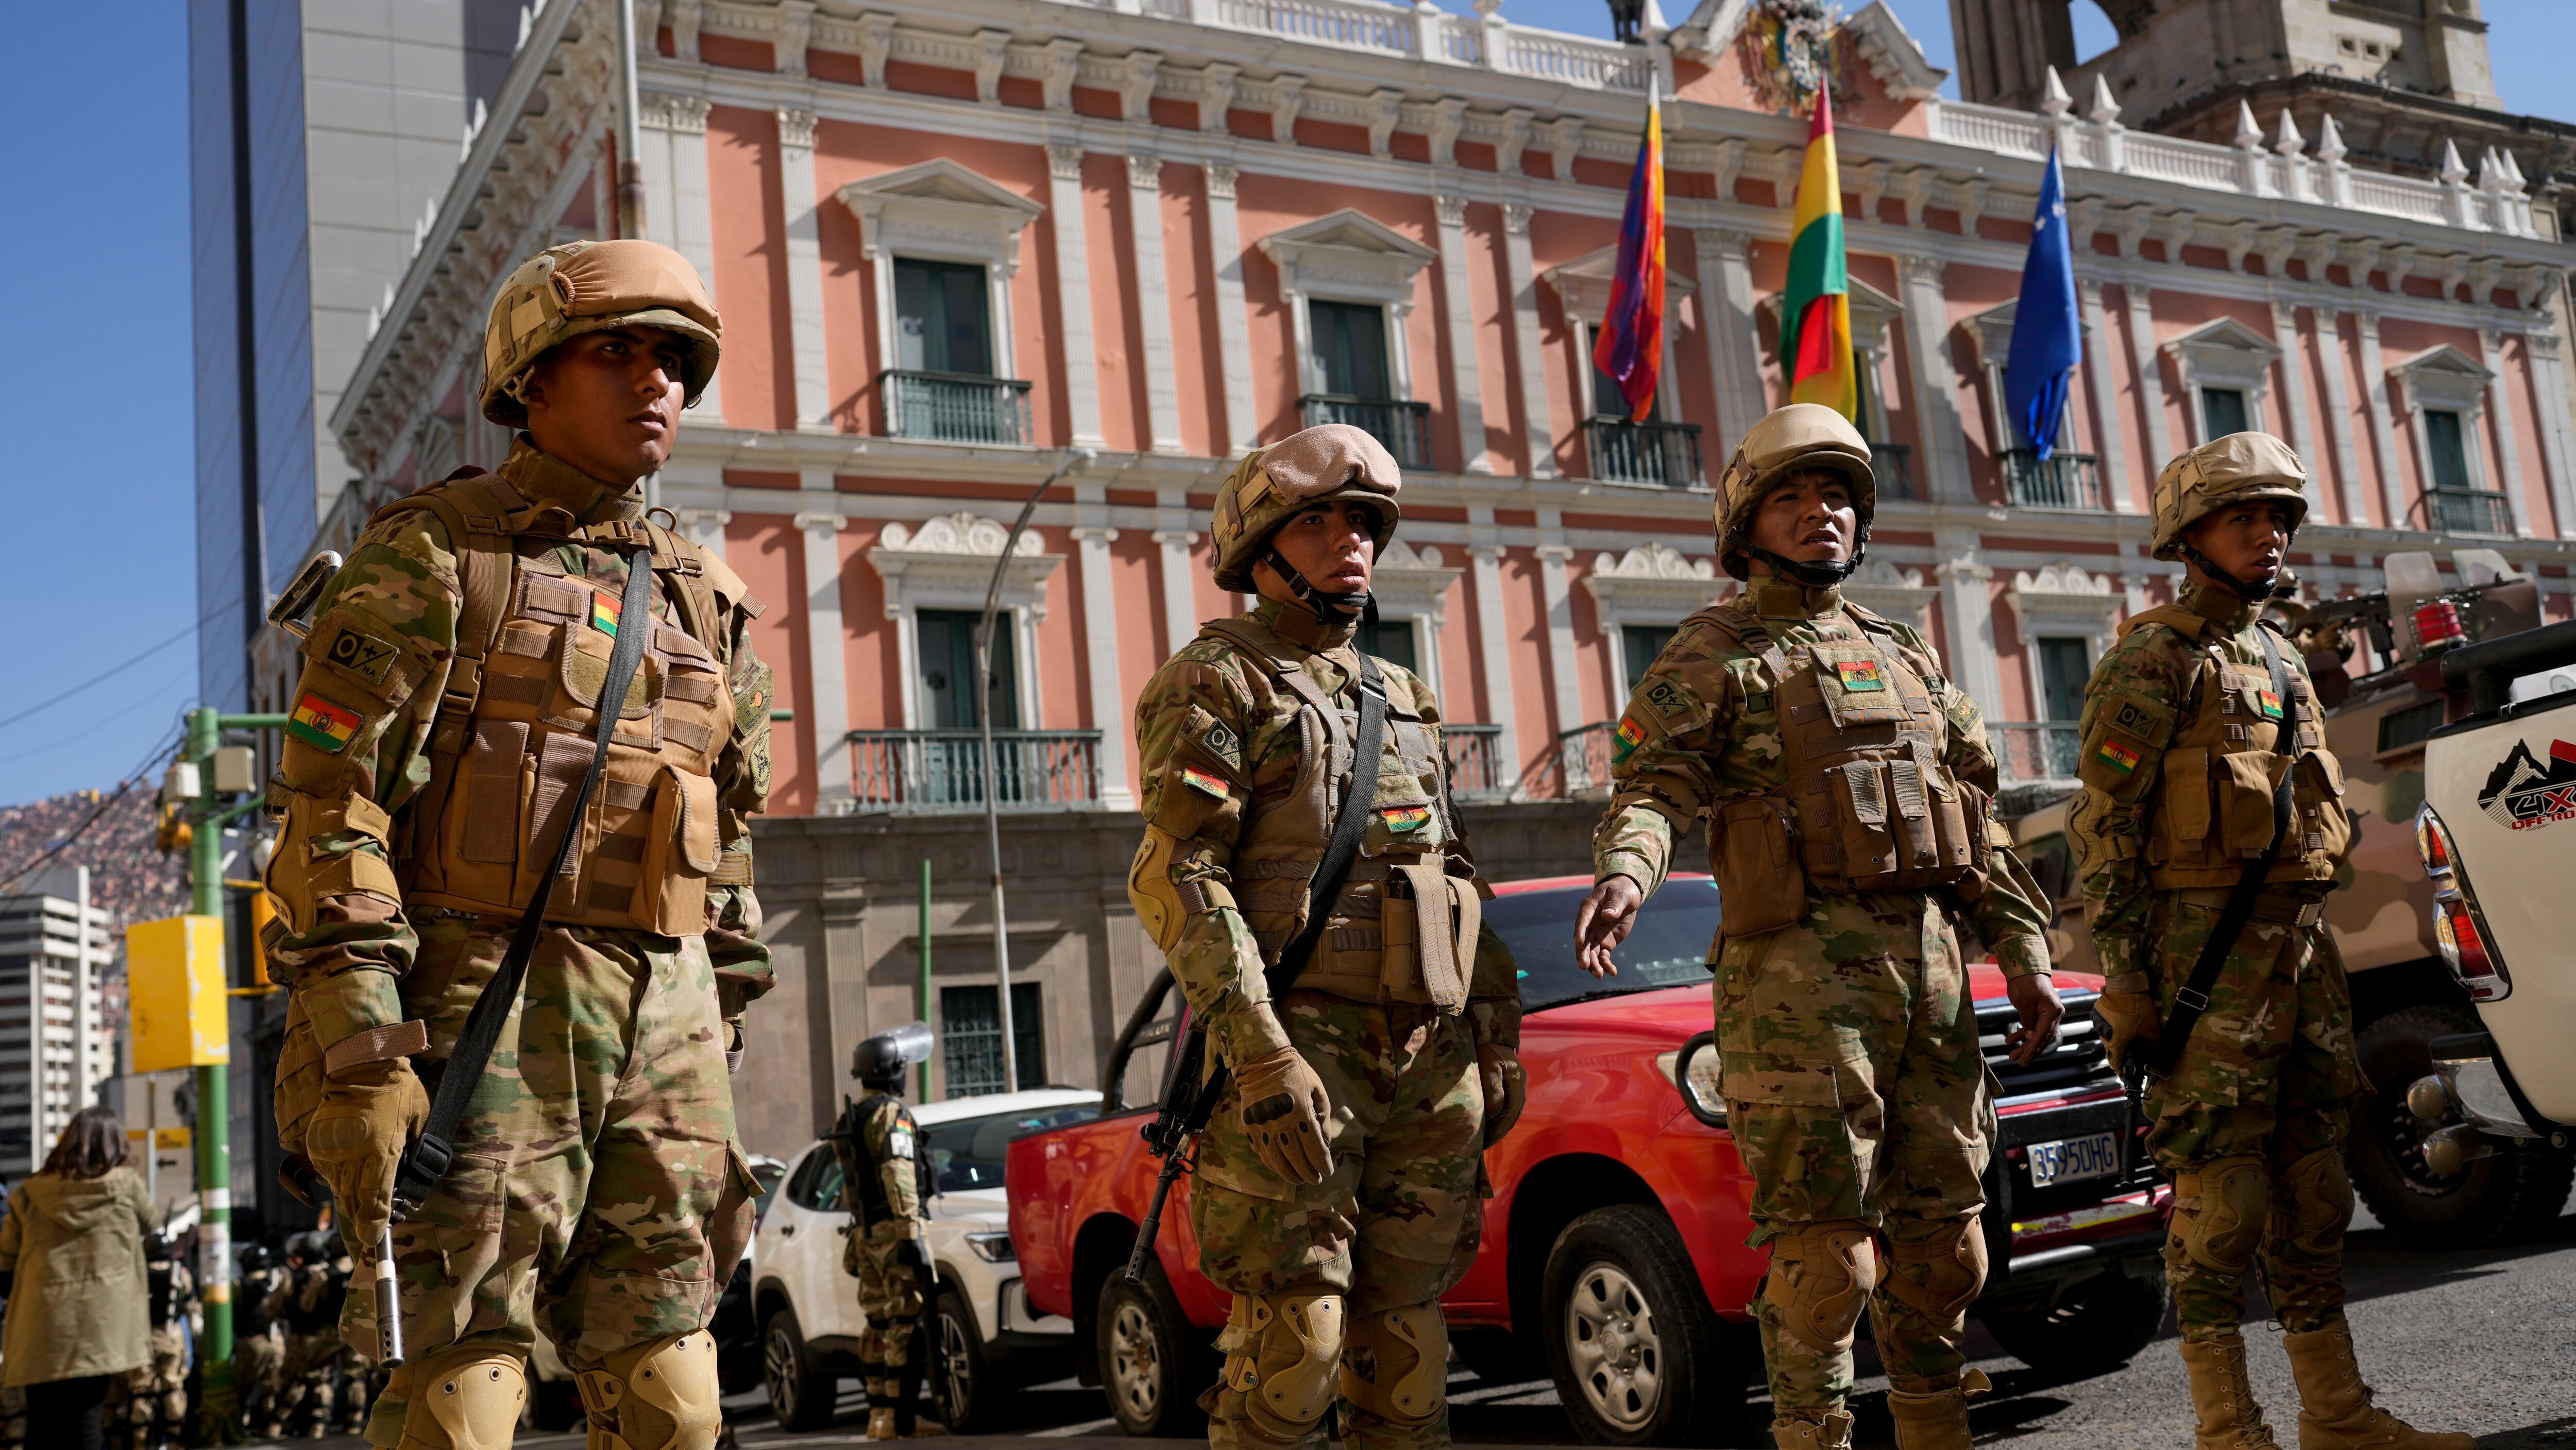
(2048, 335)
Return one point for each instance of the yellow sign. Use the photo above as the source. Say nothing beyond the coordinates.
(173, 1139)
(174, 971)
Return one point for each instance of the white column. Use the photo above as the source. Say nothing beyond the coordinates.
(1154, 301)
(1100, 642)
(1734, 344)
(1180, 606)
(2374, 396)
(1225, 240)
(1493, 636)
(1553, 556)
(653, 154)
(2549, 398)
(1968, 610)
(84, 1017)
(2106, 400)
(1073, 293)
(2356, 511)
(826, 661)
(2151, 373)
(804, 269)
(692, 225)
(1529, 378)
(1935, 379)
(2500, 417)
(1466, 380)
(2294, 392)
(705, 528)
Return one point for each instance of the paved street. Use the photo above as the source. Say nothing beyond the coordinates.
(2479, 1341)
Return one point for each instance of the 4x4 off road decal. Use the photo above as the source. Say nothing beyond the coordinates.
(2521, 793)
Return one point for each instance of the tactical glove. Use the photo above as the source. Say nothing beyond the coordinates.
(369, 1115)
(1285, 1114)
(2129, 1018)
(1498, 1069)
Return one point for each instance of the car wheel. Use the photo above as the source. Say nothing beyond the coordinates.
(1153, 1361)
(957, 1381)
(2094, 1328)
(1638, 1356)
(800, 1396)
(2511, 1195)
(554, 1405)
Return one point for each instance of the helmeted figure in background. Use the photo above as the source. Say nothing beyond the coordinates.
(257, 1355)
(1847, 789)
(882, 1183)
(150, 1401)
(1337, 1192)
(308, 1300)
(446, 714)
(2194, 723)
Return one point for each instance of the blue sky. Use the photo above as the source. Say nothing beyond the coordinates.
(98, 492)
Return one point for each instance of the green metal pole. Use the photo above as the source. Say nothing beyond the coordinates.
(925, 966)
(219, 1412)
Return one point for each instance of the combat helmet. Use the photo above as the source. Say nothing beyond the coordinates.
(1790, 440)
(1317, 465)
(880, 1061)
(563, 292)
(2237, 468)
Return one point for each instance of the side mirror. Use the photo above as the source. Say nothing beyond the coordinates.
(301, 592)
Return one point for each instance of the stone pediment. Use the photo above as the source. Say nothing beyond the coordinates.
(947, 563)
(1584, 283)
(942, 208)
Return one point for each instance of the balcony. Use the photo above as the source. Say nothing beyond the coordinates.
(1583, 757)
(937, 772)
(2466, 511)
(955, 407)
(1666, 454)
(2037, 752)
(1892, 467)
(1475, 754)
(2065, 481)
(1405, 428)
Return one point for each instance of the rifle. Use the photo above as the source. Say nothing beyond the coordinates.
(1187, 1105)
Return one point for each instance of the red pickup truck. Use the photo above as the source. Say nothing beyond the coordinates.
(1613, 1258)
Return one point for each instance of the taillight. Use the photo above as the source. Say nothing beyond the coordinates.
(2433, 843)
(2437, 625)
(2459, 928)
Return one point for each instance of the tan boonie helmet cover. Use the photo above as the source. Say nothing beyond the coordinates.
(1788, 440)
(1317, 465)
(580, 287)
(2227, 470)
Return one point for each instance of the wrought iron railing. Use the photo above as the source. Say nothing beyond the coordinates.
(2062, 481)
(1626, 452)
(1583, 756)
(1404, 427)
(2037, 752)
(1475, 755)
(1892, 467)
(955, 407)
(919, 772)
(2465, 511)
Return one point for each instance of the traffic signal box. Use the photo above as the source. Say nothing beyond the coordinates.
(174, 970)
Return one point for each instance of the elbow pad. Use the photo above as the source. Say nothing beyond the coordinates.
(300, 877)
(1163, 905)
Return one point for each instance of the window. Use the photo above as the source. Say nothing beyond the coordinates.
(970, 1033)
(1350, 347)
(1607, 400)
(2064, 666)
(1638, 646)
(2222, 411)
(2411, 726)
(817, 1181)
(942, 321)
(2445, 441)
(966, 1154)
(948, 662)
(1390, 640)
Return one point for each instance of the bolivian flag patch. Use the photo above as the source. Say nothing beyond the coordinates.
(1630, 736)
(1201, 780)
(324, 726)
(1405, 818)
(1859, 675)
(2119, 757)
(603, 613)
(2271, 704)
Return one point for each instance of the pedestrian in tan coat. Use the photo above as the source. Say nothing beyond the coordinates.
(71, 1263)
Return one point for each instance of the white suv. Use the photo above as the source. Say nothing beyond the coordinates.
(807, 1305)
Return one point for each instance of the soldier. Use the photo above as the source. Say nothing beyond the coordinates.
(1846, 785)
(446, 714)
(1337, 1181)
(257, 1356)
(309, 1301)
(151, 1400)
(881, 1163)
(2192, 723)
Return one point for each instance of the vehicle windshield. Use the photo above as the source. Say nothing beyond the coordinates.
(1669, 948)
(966, 1154)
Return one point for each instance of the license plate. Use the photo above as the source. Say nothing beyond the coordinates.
(2096, 1155)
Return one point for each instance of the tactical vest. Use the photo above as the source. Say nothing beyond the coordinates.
(512, 737)
(2219, 772)
(1403, 928)
(1870, 804)
(862, 1176)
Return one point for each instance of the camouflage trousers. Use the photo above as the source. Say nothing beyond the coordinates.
(256, 1360)
(596, 1190)
(150, 1401)
(1398, 1221)
(890, 1295)
(1848, 1052)
(2266, 1073)
(317, 1378)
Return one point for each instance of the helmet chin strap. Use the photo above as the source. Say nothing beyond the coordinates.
(1354, 608)
(2252, 591)
(1818, 575)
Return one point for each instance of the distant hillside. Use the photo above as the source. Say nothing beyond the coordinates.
(128, 875)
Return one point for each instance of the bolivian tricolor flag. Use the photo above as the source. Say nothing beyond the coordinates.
(1815, 315)
(1630, 349)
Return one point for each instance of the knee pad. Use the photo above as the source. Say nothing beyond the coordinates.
(658, 1395)
(1284, 1351)
(2219, 1210)
(463, 1397)
(1948, 1270)
(2316, 1204)
(1821, 1275)
(1396, 1365)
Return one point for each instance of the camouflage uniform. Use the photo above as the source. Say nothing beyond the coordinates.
(881, 1186)
(151, 1400)
(310, 1300)
(257, 1355)
(596, 1191)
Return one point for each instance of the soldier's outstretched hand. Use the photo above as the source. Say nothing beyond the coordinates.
(1284, 1114)
(1604, 920)
(2034, 997)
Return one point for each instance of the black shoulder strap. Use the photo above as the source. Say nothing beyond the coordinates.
(427, 1161)
(2193, 999)
(1344, 844)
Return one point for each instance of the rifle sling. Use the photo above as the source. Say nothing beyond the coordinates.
(2193, 999)
(1343, 846)
(429, 1156)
